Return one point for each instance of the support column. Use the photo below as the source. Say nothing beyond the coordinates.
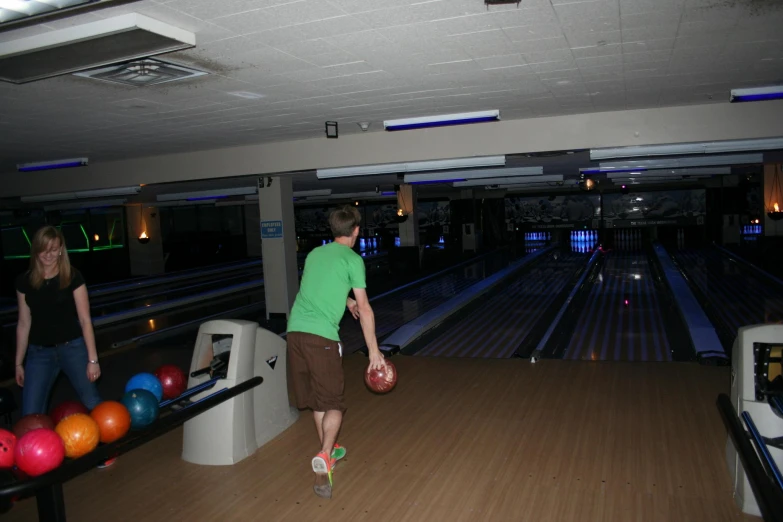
(773, 194)
(253, 230)
(407, 201)
(470, 232)
(278, 244)
(146, 255)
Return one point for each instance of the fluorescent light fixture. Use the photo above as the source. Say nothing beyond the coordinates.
(351, 196)
(712, 147)
(639, 181)
(537, 186)
(207, 194)
(673, 163)
(86, 204)
(82, 194)
(473, 174)
(697, 172)
(355, 195)
(774, 92)
(206, 198)
(440, 121)
(644, 178)
(312, 193)
(510, 181)
(417, 166)
(51, 165)
(12, 10)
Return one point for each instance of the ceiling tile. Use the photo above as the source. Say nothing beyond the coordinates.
(598, 61)
(588, 39)
(417, 13)
(360, 40)
(596, 50)
(605, 73)
(549, 44)
(275, 17)
(359, 6)
(651, 32)
(648, 46)
(577, 13)
(210, 10)
(497, 62)
(636, 21)
(644, 58)
(537, 32)
(631, 7)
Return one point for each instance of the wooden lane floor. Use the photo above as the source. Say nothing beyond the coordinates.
(459, 439)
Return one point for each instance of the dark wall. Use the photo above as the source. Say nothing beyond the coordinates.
(202, 235)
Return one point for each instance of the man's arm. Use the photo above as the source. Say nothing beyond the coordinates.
(367, 320)
(352, 307)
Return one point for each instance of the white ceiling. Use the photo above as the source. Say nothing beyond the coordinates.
(368, 60)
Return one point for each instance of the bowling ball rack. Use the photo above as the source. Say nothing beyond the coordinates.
(48, 488)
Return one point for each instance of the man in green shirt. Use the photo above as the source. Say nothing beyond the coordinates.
(314, 349)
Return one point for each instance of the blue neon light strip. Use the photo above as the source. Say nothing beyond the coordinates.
(388, 193)
(758, 97)
(203, 198)
(430, 182)
(440, 123)
(606, 171)
(52, 166)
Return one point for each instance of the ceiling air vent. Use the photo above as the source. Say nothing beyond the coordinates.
(140, 73)
(111, 41)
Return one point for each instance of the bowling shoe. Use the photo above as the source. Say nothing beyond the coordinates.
(322, 466)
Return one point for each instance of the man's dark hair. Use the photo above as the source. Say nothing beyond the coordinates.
(343, 220)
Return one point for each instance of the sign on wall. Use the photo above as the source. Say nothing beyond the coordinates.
(271, 229)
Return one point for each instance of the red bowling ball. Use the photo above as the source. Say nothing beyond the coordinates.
(7, 446)
(39, 451)
(383, 380)
(32, 422)
(65, 409)
(173, 379)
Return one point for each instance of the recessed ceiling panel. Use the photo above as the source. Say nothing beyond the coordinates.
(88, 46)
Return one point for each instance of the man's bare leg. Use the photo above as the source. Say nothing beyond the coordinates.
(328, 426)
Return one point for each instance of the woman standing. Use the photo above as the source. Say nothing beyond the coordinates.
(54, 328)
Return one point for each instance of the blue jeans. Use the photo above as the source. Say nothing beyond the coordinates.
(41, 368)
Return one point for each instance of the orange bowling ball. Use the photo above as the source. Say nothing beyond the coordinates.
(113, 420)
(80, 434)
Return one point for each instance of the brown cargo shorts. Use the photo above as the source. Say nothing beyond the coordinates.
(315, 371)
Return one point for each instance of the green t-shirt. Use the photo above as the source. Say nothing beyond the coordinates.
(330, 272)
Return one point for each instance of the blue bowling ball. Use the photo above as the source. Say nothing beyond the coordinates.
(142, 406)
(145, 381)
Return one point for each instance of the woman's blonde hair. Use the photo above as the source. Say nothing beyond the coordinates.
(44, 238)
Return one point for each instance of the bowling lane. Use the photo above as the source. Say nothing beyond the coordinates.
(499, 325)
(396, 308)
(732, 294)
(622, 319)
(154, 296)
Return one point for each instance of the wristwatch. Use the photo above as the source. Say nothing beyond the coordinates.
(94, 362)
